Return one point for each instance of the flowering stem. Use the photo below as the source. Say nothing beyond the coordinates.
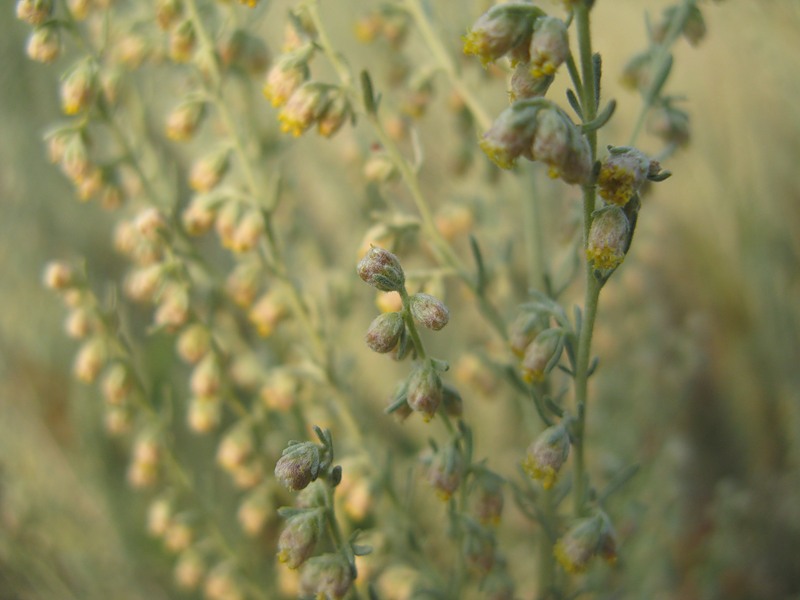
(441, 55)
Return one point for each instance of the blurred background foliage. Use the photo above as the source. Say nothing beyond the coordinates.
(698, 332)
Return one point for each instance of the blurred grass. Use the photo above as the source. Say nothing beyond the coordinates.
(698, 333)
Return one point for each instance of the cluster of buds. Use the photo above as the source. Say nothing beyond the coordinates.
(305, 103)
(539, 130)
(589, 537)
(547, 454)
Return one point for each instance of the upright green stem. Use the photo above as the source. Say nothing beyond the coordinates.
(592, 293)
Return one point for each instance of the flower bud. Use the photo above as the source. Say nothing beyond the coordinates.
(182, 41)
(525, 85)
(159, 514)
(511, 134)
(183, 120)
(200, 214)
(206, 377)
(244, 51)
(479, 549)
(446, 471)
(151, 224)
(622, 174)
(254, 511)
(44, 44)
(327, 577)
(670, 124)
(488, 498)
(524, 330)
(561, 145)
(142, 283)
(173, 307)
(335, 115)
(79, 9)
(267, 312)
(381, 269)
(304, 107)
(299, 537)
(379, 168)
(179, 534)
(167, 13)
(285, 77)
(222, 583)
(248, 231)
(79, 323)
(34, 12)
(204, 414)
(547, 454)
(90, 360)
(609, 238)
(298, 465)
(189, 569)
(549, 46)
(193, 343)
(452, 402)
(117, 384)
(585, 540)
(78, 88)
(207, 172)
(279, 391)
(429, 311)
(236, 447)
(501, 29)
(59, 276)
(424, 393)
(541, 355)
(242, 283)
(384, 332)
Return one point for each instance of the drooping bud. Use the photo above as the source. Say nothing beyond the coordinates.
(286, 76)
(193, 343)
(424, 392)
(381, 269)
(207, 172)
(267, 312)
(299, 538)
(429, 311)
(541, 355)
(182, 41)
(183, 120)
(90, 359)
(327, 577)
(167, 13)
(560, 144)
(524, 330)
(670, 124)
(254, 510)
(452, 402)
(511, 134)
(189, 569)
(59, 275)
(525, 85)
(335, 115)
(446, 471)
(236, 447)
(500, 30)
(609, 238)
(78, 88)
(298, 465)
(34, 12)
(117, 385)
(547, 454)
(44, 44)
(622, 174)
(206, 377)
(384, 332)
(549, 46)
(304, 107)
(204, 414)
(588, 538)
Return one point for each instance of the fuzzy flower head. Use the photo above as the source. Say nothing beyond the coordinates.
(425, 391)
(384, 332)
(525, 85)
(609, 238)
(382, 270)
(500, 30)
(286, 75)
(44, 44)
(559, 144)
(326, 577)
(34, 12)
(304, 108)
(541, 355)
(622, 174)
(588, 538)
(549, 46)
(298, 465)
(78, 89)
(429, 311)
(446, 471)
(511, 134)
(299, 537)
(547, 454)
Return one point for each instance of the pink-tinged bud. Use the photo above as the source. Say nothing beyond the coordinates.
(549, 46)
(523, 331)
(286, 76)
(182, 41)
(159, 514)
(429, 311)
(524, 85)
(151, 224)
(335, 115)
(622, 174)
(425, 391)
(298, 465)
(299, 538)
(541, 355)
(168, 12)
(90, 359)
(609, 238)
(204, 414)
(193, 343)
(80, 323)
(44, 44)
(327, 577)
(206, 377)
(488, 499)
(588, 538)
(304, 107)
(243, 283)
(381, 269)
(446, 471)
(547, 454)
(179, 534)
(384, 332)
(173, 307)
(117, 385)
(78, 88)
(511, 134)
(189, 569)
(500, 30)
(34, 12)
(184, 119)
(207, 172)
(561, 145)
(59, 276)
